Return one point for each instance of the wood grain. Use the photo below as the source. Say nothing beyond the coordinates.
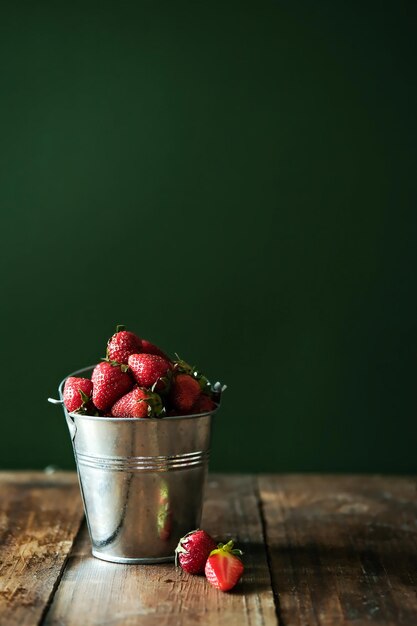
(40, 516)
(342, 549)
(93, 592)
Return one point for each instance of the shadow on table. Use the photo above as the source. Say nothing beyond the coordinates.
(256, 578)
(367, 573)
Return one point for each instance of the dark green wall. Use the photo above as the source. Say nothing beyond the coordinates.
(235, 181)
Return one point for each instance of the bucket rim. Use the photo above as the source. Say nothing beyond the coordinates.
(125, 419)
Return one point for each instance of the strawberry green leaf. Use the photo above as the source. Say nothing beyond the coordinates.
(154, 402)
(123, 366)
(84, 397)
(226, 549)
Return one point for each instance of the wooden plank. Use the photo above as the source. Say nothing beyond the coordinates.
(95, 592)
(40, 515)
(342, 549)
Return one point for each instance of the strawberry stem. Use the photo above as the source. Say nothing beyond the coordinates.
(228, 548)
(123, 366)
(84, 397)
(120, 327)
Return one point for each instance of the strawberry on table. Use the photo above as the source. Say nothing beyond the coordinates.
(122, 345)
(193, 551)
(77, 393)
(149, 370)
(184, 392)
(110, 382)
(223, 567)
(138, 403)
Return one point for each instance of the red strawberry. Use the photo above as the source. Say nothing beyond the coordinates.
(122, 345)
(151, 348)
(184, 392)
(110, 382)
(77, 393)
(203, 404)
(150, 370)
(182, 367)
(193, 551)
(137, 403)
(223, 568)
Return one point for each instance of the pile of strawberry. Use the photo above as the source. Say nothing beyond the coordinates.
(197, 553)
(137, 379)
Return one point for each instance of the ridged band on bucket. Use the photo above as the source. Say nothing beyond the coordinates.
(145, 463)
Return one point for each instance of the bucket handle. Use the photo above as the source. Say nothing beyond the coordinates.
(217, 390)
(70, 422)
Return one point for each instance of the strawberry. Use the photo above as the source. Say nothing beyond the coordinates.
(203, 404)
(151, 348)
(77, 393)
(122, 345)
(182, 367)
(137, 403)
(193, 551)
(150, 370)
(110, 382)
(223, 567)
(184, 392)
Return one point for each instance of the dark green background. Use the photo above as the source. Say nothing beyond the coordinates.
(235, 181)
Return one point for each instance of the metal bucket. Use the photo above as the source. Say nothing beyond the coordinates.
(142, 480)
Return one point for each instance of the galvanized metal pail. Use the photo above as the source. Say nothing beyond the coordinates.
(142, 480)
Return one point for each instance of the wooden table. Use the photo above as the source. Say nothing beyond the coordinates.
(318, 550)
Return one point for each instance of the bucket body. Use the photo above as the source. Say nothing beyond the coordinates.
(142, 481)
